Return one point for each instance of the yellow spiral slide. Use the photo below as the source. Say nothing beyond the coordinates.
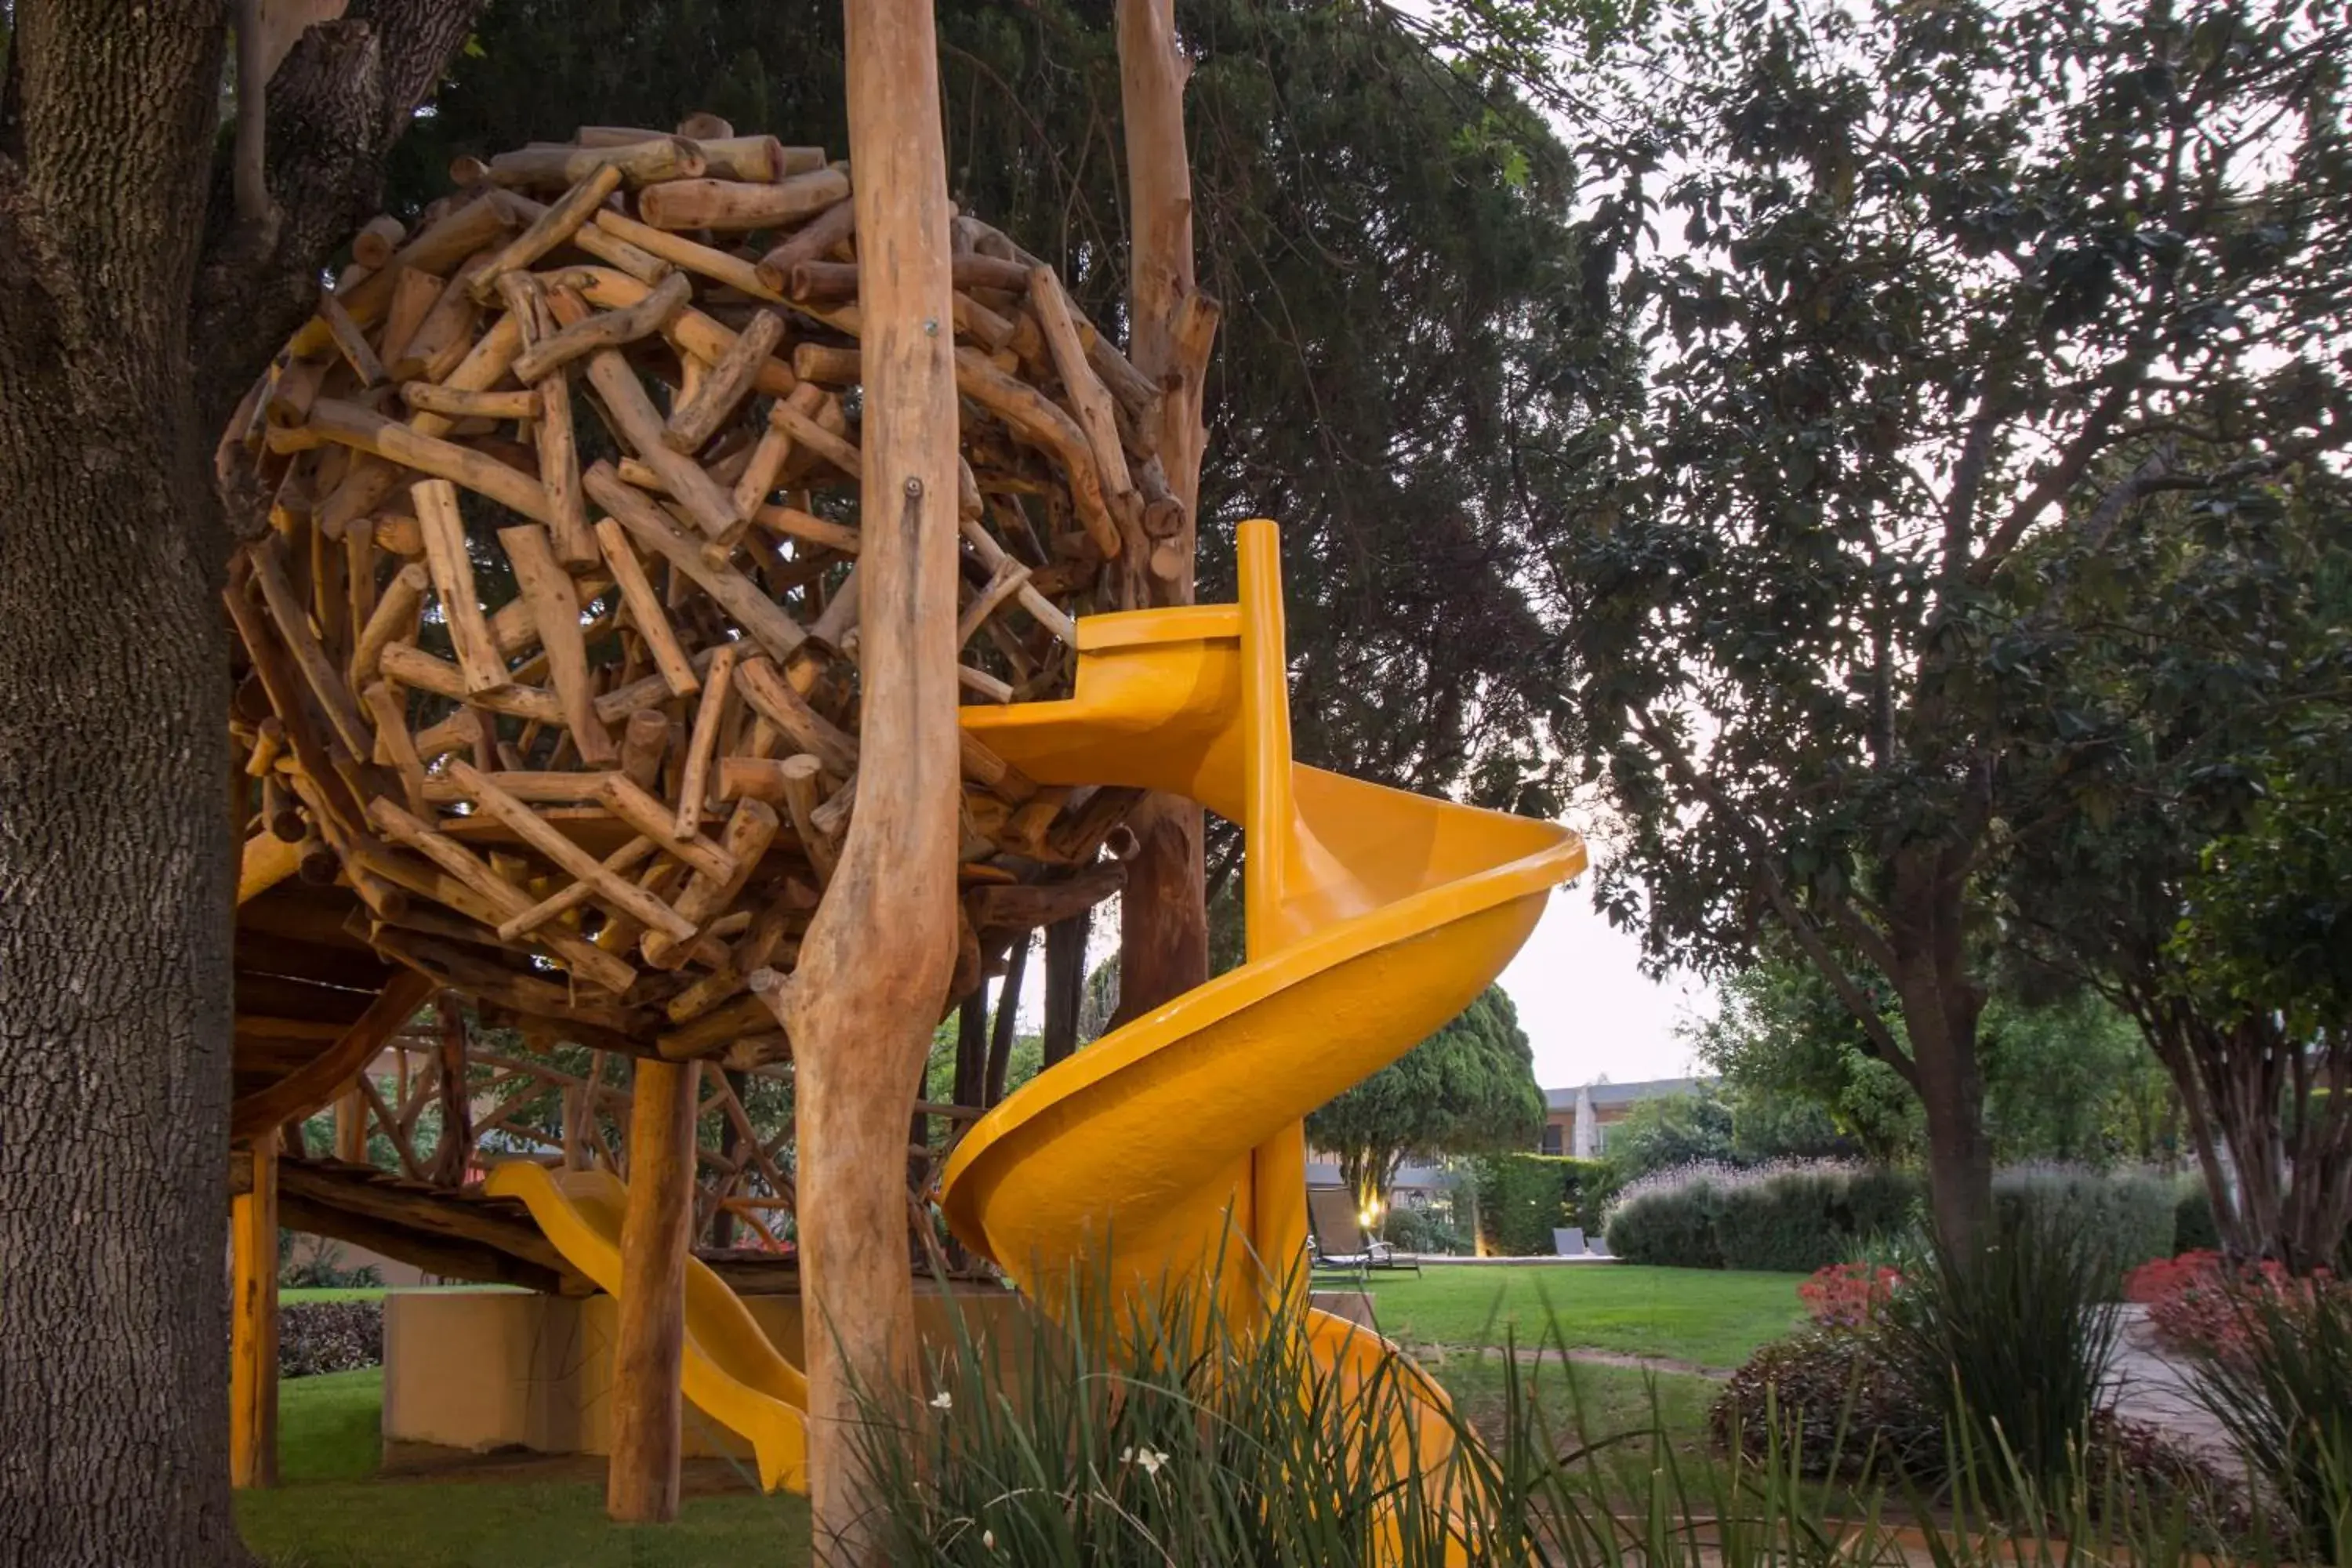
(1373, 917)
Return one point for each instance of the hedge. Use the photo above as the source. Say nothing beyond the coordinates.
(2194, 1228)
(1796, 1219)
(1523, 1198)
(328, 1336)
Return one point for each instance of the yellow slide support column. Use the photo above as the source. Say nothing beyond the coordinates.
(253, 1323)
(1276, 1218)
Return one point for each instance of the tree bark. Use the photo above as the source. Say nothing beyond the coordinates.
(1066, 984)
(117, 878)
(1163, 917)
(876, 962)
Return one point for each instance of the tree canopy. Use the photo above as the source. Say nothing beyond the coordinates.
(1469, 1089)
(1923, 289)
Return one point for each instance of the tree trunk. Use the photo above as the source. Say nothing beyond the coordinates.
(657, 1236)
(1163, 918)
(876, 962)
(1940, 1017)
(1066, 984)
(116, 875)
(1008, 1018)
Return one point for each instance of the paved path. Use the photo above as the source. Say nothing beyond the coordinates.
(2152, 1387)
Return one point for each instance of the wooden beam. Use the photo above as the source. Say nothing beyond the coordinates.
(300, 1092)
(253, 1321)
(656, 1239)
(452, 1257)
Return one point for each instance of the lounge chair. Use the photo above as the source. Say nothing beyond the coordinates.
(1567, 1241)
(1339, 1237)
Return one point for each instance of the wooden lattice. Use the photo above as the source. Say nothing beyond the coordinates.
(600, 802)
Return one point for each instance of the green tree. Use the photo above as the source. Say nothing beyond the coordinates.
(1408, 358)
(1672, 1129)
(1780, 1039)
(1923, 286)
(1469, 1089)
(2187, 852)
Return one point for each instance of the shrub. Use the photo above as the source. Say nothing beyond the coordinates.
(2194, 1229)
(328, 1336)
(1793, 1217)
(1669, 1223)
(1418, 1230)
(323, 1268)
(2010, 1345)
(1523, 1197)
(2283, 1394)
(2124, 1217)
(1848, 1295)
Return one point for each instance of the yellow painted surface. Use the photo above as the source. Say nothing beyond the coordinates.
(1373, 917)
(732, 1372)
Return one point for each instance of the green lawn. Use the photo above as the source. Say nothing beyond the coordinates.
(1705, 1317)
(330, 1513)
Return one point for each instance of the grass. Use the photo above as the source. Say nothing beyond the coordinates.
(331, 1511)
(1706, 1318)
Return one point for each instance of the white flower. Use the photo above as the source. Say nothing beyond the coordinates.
(943, 1400)
(1150, 1459)
(988, 1540)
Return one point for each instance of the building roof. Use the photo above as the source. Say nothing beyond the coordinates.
(1326, 1174)
(1608, 1094)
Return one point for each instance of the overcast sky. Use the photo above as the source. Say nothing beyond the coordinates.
(1588, 1009)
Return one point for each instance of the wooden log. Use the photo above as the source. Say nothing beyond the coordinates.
(446, 335)
(559, 471)
(368, 431)
(692, 331)
(457, 404)
(548, 589)
(748, 833)
(439, 245)
(494, 898)
(253, 1323)
(644, 607)
(527, 825)
(797, 779)
(641, 163)
(639, 427)
(791, 522)
(377, 241)
(816, 282)
(764, 620)
(549, 229)
(765, 466)
(756, 158)
(606, 330)
(735, 205)
(806, 430)
(835, 364)
(810, 242)
(653, 818)
(395, 745)
(642, 1487)
(1041, 609)
(697, 418)
(412, 665)
(680, 251)
(620, 861)
(1036, 419)
(709, 718)
(1088, 395)
(642, 746)
(350, 341)
(771, 696)
(319, 672)
(452, 568)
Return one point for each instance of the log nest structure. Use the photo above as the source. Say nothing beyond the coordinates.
(549, 644)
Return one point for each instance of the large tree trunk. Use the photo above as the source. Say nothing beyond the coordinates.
(116, 876)
(1941, 1003)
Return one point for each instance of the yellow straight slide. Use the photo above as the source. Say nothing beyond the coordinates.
(732, 1373)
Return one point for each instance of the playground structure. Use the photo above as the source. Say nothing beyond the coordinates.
(612, 809)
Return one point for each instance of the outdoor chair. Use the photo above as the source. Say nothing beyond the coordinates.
(1567, 1241)
(1339, 1237)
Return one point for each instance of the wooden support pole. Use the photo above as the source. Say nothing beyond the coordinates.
(1066, 984)
(350, 1128)
(875, 961)
(641, 1485)
(253, 1323)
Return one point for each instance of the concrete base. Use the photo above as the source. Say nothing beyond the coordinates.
(489, 1370)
